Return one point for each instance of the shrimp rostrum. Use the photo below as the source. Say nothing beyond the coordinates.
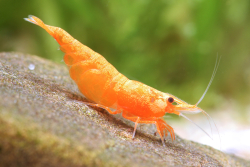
(100, 82)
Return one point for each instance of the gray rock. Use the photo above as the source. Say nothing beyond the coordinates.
(44, 122)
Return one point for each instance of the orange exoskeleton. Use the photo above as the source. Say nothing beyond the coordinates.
(101, 83)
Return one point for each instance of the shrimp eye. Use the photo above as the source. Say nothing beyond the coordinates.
(170, 99)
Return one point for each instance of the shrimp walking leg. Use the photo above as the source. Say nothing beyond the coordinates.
(161, 125)
(130, 117)
(138, 119)
(165, 127)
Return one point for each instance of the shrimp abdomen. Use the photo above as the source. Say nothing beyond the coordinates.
(98, 80)
(73, 49)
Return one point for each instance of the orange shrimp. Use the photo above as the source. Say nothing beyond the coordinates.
(101, 83)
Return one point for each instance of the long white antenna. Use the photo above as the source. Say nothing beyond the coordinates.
(208, 116)
(211, 80)
(195, 124)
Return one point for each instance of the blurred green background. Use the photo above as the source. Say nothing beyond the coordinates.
(167, 44)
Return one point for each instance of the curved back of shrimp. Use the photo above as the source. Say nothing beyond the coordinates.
(75, 51)
(95, 76)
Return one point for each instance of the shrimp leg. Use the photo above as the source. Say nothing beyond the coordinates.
(161, 125)
(133, 118)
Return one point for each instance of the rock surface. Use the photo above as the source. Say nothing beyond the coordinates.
(44, 122)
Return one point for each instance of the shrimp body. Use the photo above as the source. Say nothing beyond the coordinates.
(100, 82)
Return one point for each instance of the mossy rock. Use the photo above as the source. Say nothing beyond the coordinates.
(44, 122)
